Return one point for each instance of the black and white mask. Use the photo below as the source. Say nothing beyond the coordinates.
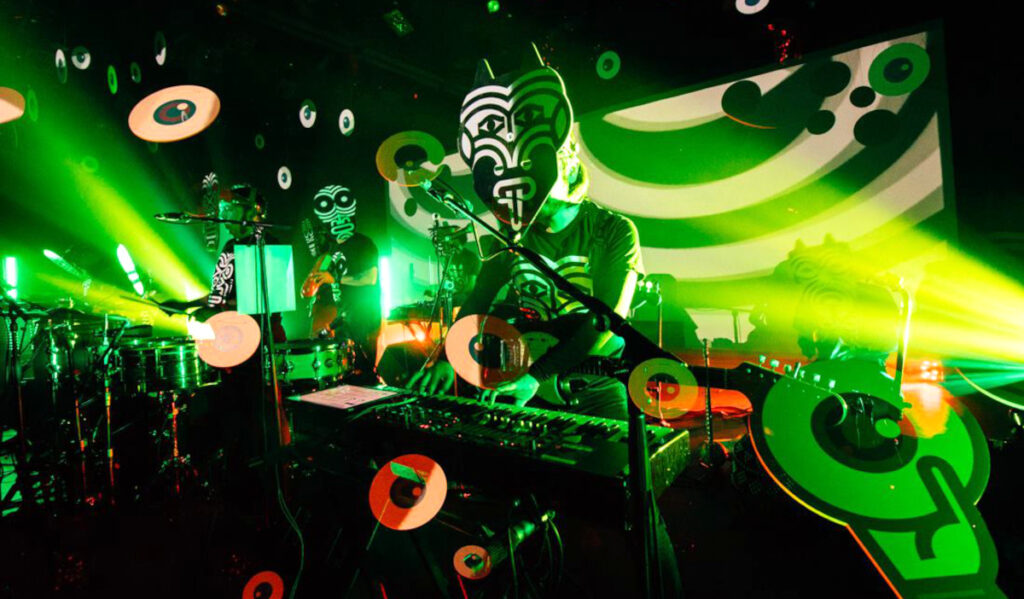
(335, 206)
(510, 131)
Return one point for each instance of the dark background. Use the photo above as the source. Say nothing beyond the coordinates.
(264, 58)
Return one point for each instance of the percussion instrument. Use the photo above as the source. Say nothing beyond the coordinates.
(312, 362)
(169, 364)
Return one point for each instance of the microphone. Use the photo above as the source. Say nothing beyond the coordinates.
(174, 217)
(454, 199)
(475, 562)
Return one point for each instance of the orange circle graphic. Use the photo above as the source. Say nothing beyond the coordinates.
(473, 570)
(174, 113)
(466, 344)
(266, 577)
(664, 399)
(408, 492)
(236, 337)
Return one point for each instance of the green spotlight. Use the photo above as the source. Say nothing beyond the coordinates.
(11, 276)
(129, 269)
(493, 6)
(385, 286)
(66, 266)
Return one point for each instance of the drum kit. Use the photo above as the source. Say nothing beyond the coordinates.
(102, 404)
(312, 364)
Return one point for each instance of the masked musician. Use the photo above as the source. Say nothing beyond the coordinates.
(515, 135)
(241, 202)
(344, 283)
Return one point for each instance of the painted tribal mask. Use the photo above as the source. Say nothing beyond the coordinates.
(335, 207)
(510, 130)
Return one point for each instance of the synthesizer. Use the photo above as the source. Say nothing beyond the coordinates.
(501, 446)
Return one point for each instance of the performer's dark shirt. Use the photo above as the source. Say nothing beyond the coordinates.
(595, 252)
(358, 305)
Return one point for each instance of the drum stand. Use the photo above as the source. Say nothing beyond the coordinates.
(23, 484)
(178, 463)
(104, 361)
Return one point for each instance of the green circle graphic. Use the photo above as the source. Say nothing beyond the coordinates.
(608, 64)
(899, 69)
(112, 79)
(32, 105)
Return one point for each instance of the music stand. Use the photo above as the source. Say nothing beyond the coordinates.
(280, 279)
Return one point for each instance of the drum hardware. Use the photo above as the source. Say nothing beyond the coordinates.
(445, 239)
(711, 455)
(90, 365)
(54, 368)
(312, 363)
(178, 463)
(66, 350)
(81, 445)
(105, 366)
(155, 365)
(14, 313)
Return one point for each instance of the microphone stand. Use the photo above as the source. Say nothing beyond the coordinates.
(643, 519)
(267, 338)
(271, 459)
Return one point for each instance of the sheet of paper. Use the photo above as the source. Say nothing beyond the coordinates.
(280, 279)
(344, 397)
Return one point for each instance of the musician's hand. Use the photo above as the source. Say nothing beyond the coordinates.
(433, 379)
(521, 390)
(314, 281)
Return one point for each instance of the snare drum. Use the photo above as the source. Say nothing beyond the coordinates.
(164, 365)
(311, 362)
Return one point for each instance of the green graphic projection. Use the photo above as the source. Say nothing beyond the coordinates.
(903, 474)
(723, 180)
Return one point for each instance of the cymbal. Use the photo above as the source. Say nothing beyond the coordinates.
(79, 321)
(414, 311)
(70, 314)
(18, 307)
(26, 312)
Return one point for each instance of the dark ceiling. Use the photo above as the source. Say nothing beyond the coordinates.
(265, 57)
